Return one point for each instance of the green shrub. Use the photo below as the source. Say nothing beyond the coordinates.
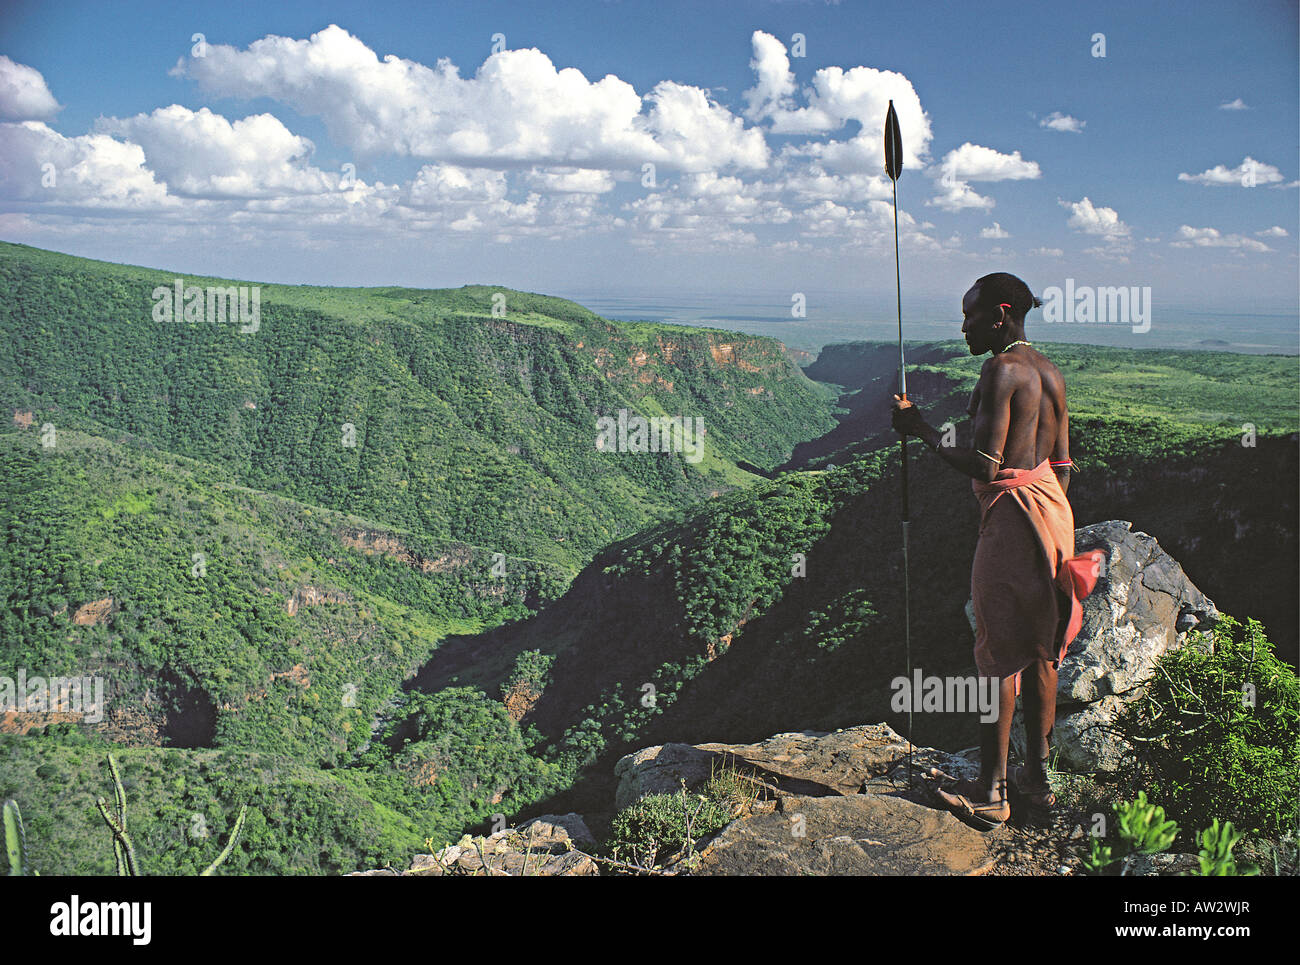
(661, 826)
(1217, 732)
(1143, 829)
(1217, 842)
(532, 669)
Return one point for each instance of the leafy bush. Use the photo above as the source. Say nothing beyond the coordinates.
(1143, 829)
(661, 826)
(1217, 732)
(532, 670)
(1217, 842)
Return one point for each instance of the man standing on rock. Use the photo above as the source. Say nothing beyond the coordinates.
(1026, 582)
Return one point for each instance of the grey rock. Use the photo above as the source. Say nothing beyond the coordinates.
(543, 847)
(556, 827)
(1132, 617)
(539, 848)
(807, 763)
(835, 803)
(861, 834)
(1169, 864)
(659, 770)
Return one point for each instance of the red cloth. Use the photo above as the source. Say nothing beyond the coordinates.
(1024, 559)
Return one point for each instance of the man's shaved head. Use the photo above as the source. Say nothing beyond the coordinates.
(1003, 288)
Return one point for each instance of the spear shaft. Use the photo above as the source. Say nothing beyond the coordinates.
(894, 167)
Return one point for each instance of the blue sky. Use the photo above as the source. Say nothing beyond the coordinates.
(1026, 152)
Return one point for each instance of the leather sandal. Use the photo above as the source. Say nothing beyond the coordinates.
(1038, 795)
(984, 816)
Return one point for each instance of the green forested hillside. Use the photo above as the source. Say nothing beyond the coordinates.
(465, 426)
(282, 649)
(233, 617)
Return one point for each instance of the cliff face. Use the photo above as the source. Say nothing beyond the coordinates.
(719, 375)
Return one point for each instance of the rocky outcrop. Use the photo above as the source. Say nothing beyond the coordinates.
(1143, 605)
(831, 804)
(866, 834)
(810, 763)
(548, 846)
(371, 542)
(520, 699)
(837, 804)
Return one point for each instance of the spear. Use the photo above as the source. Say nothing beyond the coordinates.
(894, 167)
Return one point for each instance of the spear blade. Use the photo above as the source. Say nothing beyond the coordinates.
(893, 145)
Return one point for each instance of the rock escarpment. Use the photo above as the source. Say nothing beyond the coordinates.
(836, 804)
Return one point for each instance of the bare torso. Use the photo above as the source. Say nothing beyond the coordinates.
(1038, 427)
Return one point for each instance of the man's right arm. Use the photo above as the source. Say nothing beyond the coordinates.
(989, 432)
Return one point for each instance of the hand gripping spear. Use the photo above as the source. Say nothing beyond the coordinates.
(894, 167)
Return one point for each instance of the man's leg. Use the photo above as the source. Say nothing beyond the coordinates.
(995, 743)
(1039, 691)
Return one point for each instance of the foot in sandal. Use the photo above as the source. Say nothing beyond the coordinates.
(1037, 793)
(976, 804)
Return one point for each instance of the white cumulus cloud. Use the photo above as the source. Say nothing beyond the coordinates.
(201, 154)
(518, 107)
(38, 164)
(572, 180)
(774, 84)
(974, 162)
(707, 208)
(834, 97)
(1189, 237)
(1242, 175)
(1095, 220)
(23, 94)
(438, 184)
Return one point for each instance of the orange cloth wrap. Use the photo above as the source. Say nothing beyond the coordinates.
(1024, 572)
